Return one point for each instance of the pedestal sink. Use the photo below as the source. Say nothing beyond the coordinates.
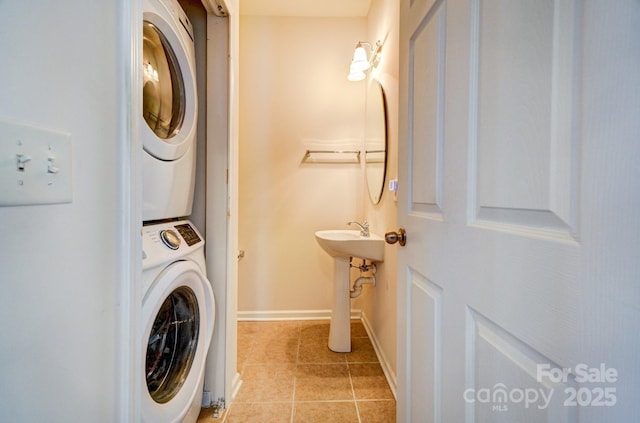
(342, 245)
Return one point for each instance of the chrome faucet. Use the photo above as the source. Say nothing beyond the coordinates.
(364, 227)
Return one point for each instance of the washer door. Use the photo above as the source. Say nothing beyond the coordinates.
(169, 98)
(172, 344)
(178, 315)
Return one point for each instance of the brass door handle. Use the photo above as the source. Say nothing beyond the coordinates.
(400, 237)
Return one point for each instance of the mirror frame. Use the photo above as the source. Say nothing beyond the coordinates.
(375, 194)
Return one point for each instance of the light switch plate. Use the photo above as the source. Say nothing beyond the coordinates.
(35, 165)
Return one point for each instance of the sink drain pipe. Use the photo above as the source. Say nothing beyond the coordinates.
(357, 285)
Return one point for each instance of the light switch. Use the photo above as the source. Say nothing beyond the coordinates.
(35, 165)
(393, 187)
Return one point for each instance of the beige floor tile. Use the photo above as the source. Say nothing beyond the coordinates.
(249, 328)
(323, 382)
(246, 344)
(283, 329)
(369, 381)
(274, 350)
(362, 351)
(314, 329)
(271, 412)
(377, 411)
(323, 412)
(267, 382)
(358, 330)
(264, 330)
(316, 350)
(246, 340)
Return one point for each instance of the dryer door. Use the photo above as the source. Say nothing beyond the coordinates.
(168, 97)
(178, 315)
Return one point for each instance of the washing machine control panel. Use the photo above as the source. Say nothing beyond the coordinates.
(169, 241)
(170, 238)
(189, 235)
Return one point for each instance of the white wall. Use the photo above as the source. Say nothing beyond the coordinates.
(59, 306)
(293, 88)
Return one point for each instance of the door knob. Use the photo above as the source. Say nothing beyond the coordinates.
(400, 237)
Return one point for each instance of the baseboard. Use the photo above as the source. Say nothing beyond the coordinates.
(271, 315)
(235, 386)
(384, 363)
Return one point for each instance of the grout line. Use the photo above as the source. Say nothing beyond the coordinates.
(353, 393)
(295, 374)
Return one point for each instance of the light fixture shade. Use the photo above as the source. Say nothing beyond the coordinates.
(356, 75)
(360, 61)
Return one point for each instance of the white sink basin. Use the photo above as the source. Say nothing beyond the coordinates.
(349, 243)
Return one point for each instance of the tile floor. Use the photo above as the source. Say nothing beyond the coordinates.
(290, 375)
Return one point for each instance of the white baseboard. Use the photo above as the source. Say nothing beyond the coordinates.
(272, 315)
(235, 386)
(384, 363)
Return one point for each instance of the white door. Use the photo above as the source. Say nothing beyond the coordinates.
(519, 285)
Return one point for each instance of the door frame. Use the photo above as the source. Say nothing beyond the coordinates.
(222, 217)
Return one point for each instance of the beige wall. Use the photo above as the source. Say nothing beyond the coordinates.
(379, 304)
(293, 88)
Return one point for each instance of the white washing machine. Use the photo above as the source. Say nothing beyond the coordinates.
(178, 312)
(170, 111)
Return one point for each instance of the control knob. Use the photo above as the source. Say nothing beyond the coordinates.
(170, 239)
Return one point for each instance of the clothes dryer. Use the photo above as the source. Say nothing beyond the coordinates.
(178, 312)
(169, 111)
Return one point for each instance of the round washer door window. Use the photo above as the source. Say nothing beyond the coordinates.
(163, 96)
(172, 344)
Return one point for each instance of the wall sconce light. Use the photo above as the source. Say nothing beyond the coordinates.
(361, 63)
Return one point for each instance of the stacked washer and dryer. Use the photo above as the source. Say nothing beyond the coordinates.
(178, 305)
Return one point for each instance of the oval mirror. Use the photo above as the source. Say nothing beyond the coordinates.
(375, 140)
